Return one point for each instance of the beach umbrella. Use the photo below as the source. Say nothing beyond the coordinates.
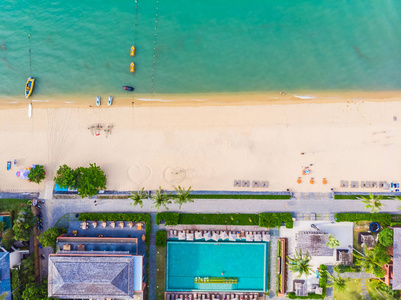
(215, 236)
(181, 235)
(232, 237)
(223, 235)
(190, 236)
(258, 237)
(198, 235)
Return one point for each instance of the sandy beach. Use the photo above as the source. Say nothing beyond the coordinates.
(208, 146)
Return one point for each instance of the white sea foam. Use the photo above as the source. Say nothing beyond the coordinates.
(13, 102)
(305, 97)
(42, 100)
(69, 102)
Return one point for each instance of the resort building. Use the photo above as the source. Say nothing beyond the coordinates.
(396, 267)
(96, 268)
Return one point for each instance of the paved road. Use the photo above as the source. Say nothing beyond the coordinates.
(56, 208)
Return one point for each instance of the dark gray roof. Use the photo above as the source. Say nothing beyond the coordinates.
(314, 242)
(91, 277)
(397, 259)
(5, 283)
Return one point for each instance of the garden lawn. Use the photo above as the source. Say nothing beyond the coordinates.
(353, 291)
(8, 205)
(374, 295)
(160, 272)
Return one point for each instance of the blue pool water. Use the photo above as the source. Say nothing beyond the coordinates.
(245, 261)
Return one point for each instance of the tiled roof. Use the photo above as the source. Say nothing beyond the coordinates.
(93, 277)
(397, 259)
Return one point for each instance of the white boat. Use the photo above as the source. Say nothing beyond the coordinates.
(30, 110)
(97, 101)
(110, 102)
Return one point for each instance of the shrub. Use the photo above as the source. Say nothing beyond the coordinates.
(91, 180)
(8, 238)
(343, 269)
(161, 238)
(384, 219)
(49, 237)
(381, 254)
(310, 296)
(2, 226)
(23, 225)
(275, 220)
(323, 278)
(386, 237)
(169, 218)
(37, 174)
(219, 219)
(119, 217)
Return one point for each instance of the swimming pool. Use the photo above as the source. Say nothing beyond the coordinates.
(245, 261)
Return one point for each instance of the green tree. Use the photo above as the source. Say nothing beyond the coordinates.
(35, 291)
(369, 262)
(37, 174)
(161, 199)
(300, 264)
(8, 238)
(91, 180)
(49, 237)
(338, 283)
(381, 254)
(66, 177)
(386, 237)
(373, 202)
(333, 242)
(2, 226)
(138, 197)
(23, 225)
(182, 196)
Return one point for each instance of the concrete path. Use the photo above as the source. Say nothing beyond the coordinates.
(364, 290)
(152, 258)
(273, 263)
(356, 275)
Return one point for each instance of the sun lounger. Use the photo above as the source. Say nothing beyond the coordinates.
(232, 237)
(181, 235)
(190, 236)
(255, 184)
(374, 184)
(249, 237)
(344, 183)
(168, 297)
(265, 237)
(198, 235)
(363, 184)
(245, 183)
(258, 237)
(237, 183)
(94, 224)
(354, 184)
(264, 184)
(213, 297)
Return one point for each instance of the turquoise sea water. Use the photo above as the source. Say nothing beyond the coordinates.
(200, 45)
(245, 261)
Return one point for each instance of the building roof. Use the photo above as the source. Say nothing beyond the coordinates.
(93, 277)
(5, 282)
(314, 242)
(397, 259)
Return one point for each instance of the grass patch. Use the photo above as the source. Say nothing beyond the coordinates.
(353, 291)
(356, 197)
(8, 205)
(160, 272)
(238, 196)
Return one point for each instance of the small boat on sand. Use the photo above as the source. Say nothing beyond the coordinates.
(97, 101)
(129, 88)
(132, 68)
(29, 86)
(110, 102)
(133, 51)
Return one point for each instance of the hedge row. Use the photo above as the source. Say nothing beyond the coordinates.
(119, 217)
(169, 218)
(262, 220)
(238, 196)
(384, 219)
(275, 220)
(161, 238)
(219, 219)
(356, 197)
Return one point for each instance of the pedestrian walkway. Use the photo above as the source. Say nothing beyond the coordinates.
(356, 275)
(152, 257)
(364, 290)
(273, 262)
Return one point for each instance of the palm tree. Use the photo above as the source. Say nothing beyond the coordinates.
(3, 296)
(367, 261)
(182, 196)
(333, 242)
(300, 263)
(161, 199)
(338, 283)
(372, 202)
(138, 197)
(397, 198)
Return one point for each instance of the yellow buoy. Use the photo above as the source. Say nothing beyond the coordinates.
(133, 51)
(132, 68)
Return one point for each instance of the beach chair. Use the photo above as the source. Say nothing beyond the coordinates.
(373, 184)
(237, 183)
(245, 183)
(354, 184)
(265, 184)
(168, 297)
(363, 184)
(255, 184)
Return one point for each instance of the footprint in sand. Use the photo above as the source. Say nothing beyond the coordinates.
(175, 175)
(139, 173)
